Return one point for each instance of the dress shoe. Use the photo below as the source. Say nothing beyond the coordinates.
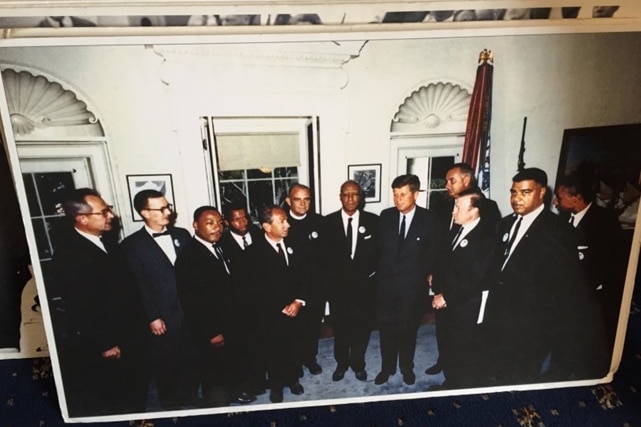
(338, 375)
(314, 368)
(296, 388)
(434, 369)
(276, 396)
(244, 398)
(361, 375)
(409, 378)
(381, 378)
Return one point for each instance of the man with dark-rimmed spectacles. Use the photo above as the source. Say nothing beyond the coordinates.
(101, 356)
(151, 253)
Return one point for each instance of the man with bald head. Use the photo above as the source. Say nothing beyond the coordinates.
(352, 257)
(306, 235)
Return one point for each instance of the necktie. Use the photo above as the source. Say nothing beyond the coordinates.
(458, 234)
(508, 249)
(571, 221)
(221, 256)
(245, 244)
(164, 233)
(281, 252)
(348, 236)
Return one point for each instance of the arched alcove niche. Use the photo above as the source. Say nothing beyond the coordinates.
(427, 134)
(438, 107)
(42, 109)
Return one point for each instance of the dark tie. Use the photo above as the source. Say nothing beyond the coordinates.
(245, 244)
(458, 234)
(221, 256)
(508, 249)
(571, 221)
(348, 236)
(164, 233)
(401, 233)
(281, 252)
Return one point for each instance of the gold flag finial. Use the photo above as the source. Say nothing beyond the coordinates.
(486, 56)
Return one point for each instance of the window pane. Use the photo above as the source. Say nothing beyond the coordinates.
(44, 250)
(286, 172)
(52, 188)
(34, 208)
(259, 174)
(231, 175)
(282, 187)
(232, 191)
(439, 168)
(438, 199)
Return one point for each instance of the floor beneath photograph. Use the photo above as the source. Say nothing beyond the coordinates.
(321, 386)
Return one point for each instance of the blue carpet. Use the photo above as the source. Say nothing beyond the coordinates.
(28, 398)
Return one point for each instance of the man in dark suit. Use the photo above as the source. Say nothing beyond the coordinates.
(408, 237)
(101, 356)
(460, 288)
(459, 177)
(352, 258)
(240, 233)
(151, 252)
(599, 238)
(544, 322)
(205, 292)
(306, 235)
(274, 296)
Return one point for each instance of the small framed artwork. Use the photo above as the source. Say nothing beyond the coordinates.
(137, 183)
(369, 178)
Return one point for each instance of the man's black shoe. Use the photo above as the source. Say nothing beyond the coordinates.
(338, 375)
(361, 375)
(244, 398)
(314, 368)
(276, 396)
(409, 378)
(296, 388)
(381, 378)
(434, 369)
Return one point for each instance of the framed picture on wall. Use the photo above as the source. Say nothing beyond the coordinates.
(369, 178)
(137, 183)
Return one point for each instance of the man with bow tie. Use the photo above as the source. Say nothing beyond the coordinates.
(544, 321)
(151, 253)
(203, 276)
(273, 295)
(101, 353)
(352, 258)
(460, 286)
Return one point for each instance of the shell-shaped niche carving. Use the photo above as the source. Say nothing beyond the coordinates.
(35, 102)
(433, 105)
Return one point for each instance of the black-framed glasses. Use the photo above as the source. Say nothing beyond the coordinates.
(169, 208)
(105, 212)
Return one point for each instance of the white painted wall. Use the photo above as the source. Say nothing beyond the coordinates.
(149, 98)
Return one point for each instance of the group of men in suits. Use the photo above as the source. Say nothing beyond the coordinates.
(235, 309)
(514, 293)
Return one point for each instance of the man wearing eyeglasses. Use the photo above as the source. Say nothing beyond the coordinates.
(100, 350)
(151, 253)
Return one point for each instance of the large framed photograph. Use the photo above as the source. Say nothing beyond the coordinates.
(369, 178)
(607, 157)
(137, 183)
(287, 114)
